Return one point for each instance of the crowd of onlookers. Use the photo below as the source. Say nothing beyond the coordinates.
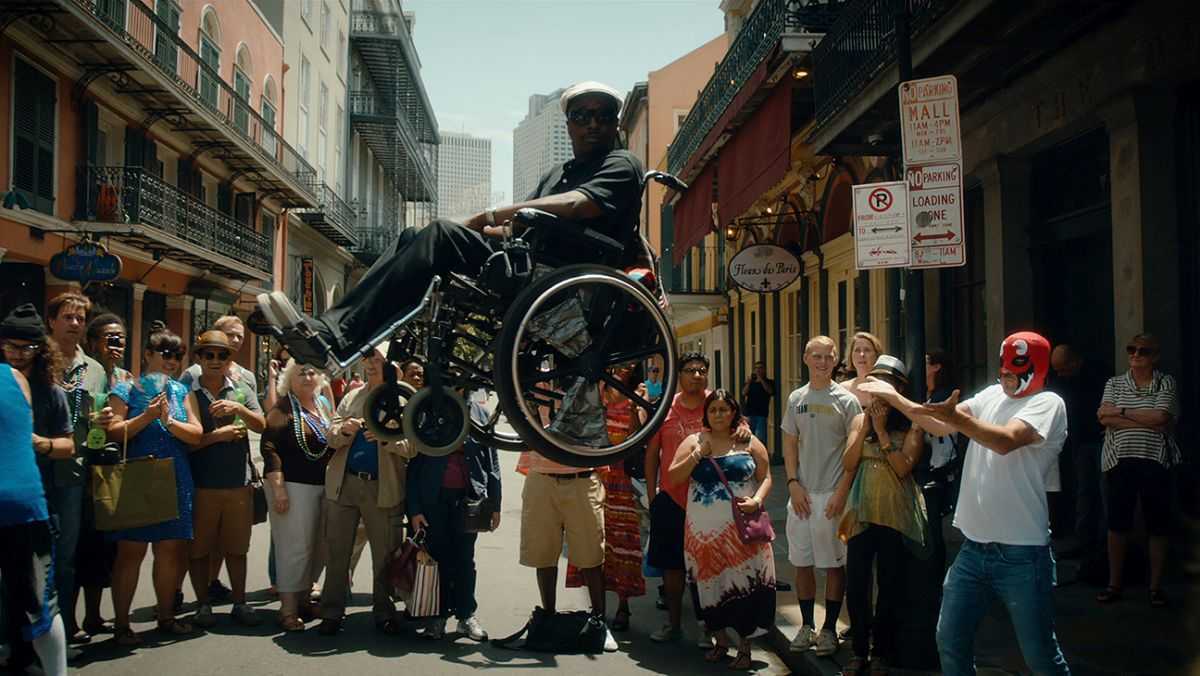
(870, 473)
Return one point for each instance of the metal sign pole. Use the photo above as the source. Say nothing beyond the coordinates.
(914, 287)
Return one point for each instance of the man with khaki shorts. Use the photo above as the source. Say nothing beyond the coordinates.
(224, 505)
(560, 501)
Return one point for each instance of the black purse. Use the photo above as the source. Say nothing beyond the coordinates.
(256, 487)
(476, 516)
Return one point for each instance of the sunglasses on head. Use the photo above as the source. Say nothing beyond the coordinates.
(210, 355)
(1131, 350)
(170, 353)
(30, 348)
(584, 116)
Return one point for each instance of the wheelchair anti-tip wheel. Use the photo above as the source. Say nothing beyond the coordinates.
(385, 410)
(561, 341)
(436, 425)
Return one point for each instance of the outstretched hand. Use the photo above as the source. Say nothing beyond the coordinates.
(878, 388)
(944, 411)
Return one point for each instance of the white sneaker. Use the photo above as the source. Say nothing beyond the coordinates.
(610, 643)
(805, 639)
(471, 629)
(827, 643)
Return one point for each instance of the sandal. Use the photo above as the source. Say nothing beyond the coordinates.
(125, 636)
(1109, 595)
(855, 667)
(1158, 598)
(717, 654)
(175, 627)
(743, 662)
(291, 623)
(620, 621)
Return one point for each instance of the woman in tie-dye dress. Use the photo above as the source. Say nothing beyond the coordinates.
(735, 581)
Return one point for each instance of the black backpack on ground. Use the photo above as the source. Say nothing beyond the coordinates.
(575, 632)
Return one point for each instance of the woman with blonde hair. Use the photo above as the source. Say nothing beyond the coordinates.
(862, 350)
(295, 452)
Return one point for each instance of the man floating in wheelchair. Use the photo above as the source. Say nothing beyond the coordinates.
(537, 302)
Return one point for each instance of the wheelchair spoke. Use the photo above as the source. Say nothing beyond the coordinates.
(625, 390)
(543, 376)
(633, 355)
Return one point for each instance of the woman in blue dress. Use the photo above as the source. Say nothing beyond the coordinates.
(159, 417)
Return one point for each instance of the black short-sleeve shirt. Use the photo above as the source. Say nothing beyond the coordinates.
(613, 181)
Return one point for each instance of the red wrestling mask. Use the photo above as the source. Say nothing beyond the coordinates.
(1026, 355)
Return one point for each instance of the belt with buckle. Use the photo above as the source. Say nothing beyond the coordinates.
(365, 476)
(577, 475)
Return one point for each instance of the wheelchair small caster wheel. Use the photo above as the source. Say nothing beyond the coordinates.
(385, 409)
(436, 425)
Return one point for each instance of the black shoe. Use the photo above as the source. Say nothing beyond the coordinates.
(661, 603)
(329, 627)
(178, 602)
(218, 591)
(783, 586)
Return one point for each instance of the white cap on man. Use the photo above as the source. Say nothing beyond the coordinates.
(589, 87)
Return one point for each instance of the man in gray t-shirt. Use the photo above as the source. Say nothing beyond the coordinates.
(817, 422)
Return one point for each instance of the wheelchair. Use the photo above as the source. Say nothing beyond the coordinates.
(519, 357)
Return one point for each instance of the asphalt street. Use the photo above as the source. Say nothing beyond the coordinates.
(506, 592)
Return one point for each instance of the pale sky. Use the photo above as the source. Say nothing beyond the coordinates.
(482, 59)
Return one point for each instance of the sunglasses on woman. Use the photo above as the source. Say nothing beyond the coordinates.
(1139, 351)
(169, 353)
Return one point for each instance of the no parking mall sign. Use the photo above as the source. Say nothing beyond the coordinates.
(85, 262)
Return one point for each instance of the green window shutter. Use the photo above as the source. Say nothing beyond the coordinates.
(166, 51)
(33, 136)
(210, 55)
(241, 110)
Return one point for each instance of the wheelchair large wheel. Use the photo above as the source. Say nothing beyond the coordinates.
(561, 340)
(385, 408)
(492, 428)
(436, 425)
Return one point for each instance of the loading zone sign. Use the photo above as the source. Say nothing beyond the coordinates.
(935, 209)
(881, 227)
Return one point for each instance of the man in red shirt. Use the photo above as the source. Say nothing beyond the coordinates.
(668, 501)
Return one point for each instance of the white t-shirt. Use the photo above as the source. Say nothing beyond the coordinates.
(820, 420)
(1002, 498)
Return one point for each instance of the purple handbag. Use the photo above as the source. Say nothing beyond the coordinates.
(752, 528)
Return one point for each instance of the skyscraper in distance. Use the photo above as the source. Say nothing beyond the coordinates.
(539, 142)
(464, 175)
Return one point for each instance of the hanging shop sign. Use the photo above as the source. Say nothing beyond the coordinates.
(881, 227)
(85, 262)
(764, 268)
(935, 207)
(307, 285)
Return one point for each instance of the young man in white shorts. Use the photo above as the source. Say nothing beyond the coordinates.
(817, 421)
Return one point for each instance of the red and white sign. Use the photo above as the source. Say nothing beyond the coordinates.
(935, 207)
(881, 225)
(929, 121)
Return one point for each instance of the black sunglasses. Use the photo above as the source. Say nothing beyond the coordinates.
(1139, 351)
(169, 353)
(584, 116)
(209, 355)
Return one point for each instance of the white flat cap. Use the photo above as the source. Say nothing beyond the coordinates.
(589, 87)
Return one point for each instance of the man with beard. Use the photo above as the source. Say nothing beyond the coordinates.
(1017, 429)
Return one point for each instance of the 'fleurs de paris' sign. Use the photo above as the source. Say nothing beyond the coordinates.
(764, 268)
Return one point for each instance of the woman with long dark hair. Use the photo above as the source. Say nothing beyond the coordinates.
(734, 580)
(154, 415)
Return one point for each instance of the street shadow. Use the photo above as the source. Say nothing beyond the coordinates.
(108, 649)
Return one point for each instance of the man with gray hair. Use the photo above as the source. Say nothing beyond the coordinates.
(601, 188)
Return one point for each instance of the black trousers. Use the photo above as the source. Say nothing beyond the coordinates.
(454, 550)
(881, 548)
(399, 278)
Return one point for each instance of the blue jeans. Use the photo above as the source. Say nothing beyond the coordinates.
(758, 426)
(67, 513)
(1023, 578)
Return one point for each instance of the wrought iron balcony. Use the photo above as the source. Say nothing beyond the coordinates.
(759, 35)
(372, 235)
(144, 58)
(387, 129)
(333, 218)
(702, 272)
(861, 44)
(153, 215)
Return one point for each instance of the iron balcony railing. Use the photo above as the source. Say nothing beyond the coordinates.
(333, 216)
(757, 37)
(385, 24)
(408, 149)
(372, 236)
(135, 196)
(198, 82)
(860, 45)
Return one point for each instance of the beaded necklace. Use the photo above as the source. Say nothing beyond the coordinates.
(316, 423)
(76, 383)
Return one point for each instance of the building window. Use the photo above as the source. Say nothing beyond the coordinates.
(209, 77)
(34, 111)
(795, 338)
(241, 108)
(325, 20)
(305, 91)
(322, 127)
(306, 11)
(338, 121)
(341, 55)
(166, 51)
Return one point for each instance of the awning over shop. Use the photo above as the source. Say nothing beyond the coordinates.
(755, 157)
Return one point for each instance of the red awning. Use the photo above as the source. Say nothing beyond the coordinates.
(756, 157)
(693, 213)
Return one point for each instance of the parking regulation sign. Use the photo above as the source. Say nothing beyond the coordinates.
(935, 207)
(930, 127)
(881, 227)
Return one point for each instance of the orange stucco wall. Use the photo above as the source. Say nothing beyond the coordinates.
(674, 87)
(239, 23)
